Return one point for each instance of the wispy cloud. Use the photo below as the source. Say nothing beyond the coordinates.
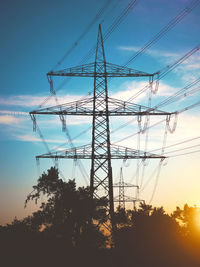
(14, 113)
(10, 120)
(189, 69)
(33, 138)
(151, 52)
(9, 117)
(156, 134)
(168, 57)
(129, 89)
(35, 101)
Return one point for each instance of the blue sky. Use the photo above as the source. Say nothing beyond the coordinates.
(35, 36)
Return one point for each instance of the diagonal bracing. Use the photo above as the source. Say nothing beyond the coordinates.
(85, 152)
(84, 107)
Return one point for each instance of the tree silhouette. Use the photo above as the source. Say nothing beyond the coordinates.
(189, 218)
(67, 211)
(65, 231)
(150, 238)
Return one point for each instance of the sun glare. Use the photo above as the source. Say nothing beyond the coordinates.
(197, 219)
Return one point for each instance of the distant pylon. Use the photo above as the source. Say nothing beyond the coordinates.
(121, 190)
(122, 199)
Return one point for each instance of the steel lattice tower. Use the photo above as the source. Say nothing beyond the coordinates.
(100, 107)
(122, 198)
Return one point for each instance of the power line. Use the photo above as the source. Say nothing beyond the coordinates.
(87, 29)
(164, 30)
(181, 149)
(75, 137)
(188, 153)
(157, 123)
(109, 31)
(116, 23)
(150, 178)
(180, 94)
(47, 147)
(176, 144)
(81, 167)
(163, 72)
(160, 162)
(158, 36)
(112, 27)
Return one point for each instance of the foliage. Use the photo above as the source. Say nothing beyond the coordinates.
(189, 219)
(62, 229)
(67, 211)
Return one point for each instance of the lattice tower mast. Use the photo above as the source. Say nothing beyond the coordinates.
(122, 199)
(121, 190)
(100, 107)
(101, 170)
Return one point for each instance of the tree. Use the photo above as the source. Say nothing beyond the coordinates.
(189, 220)
(149, 238)
(68, 211)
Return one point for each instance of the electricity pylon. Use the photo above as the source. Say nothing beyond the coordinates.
(122, 199)
(100, 107)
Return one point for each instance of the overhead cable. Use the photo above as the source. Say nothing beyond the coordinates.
(164, 30)
(174, 97)
(188, 153)
(163, 72)
(157, 123)
(86, 30)
(109, 31)
(176, 144)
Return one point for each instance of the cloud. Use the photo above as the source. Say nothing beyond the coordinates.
(10, 120)
(32, 138)
(188, 127)
(130, 89)
(27, 137)
(151, 52)
(193, 66)
(20, 120)
(78, 120)
(187, 70)
(14, 113)
(49, 121)
(32, 101)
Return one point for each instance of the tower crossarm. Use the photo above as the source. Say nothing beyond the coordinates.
(125, 185)
(92, 70)
(80, 107)
(85, 152)
(121, 152)
(84, 107)
(120, 107)
(129, 199)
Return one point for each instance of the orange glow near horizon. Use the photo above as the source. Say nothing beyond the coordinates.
(197, 219)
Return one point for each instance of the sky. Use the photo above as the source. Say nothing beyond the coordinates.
(34, 38)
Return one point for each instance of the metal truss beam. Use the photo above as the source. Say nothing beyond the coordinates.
(130, 200)
(116, 152)
(88, 70)
(84, 107)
